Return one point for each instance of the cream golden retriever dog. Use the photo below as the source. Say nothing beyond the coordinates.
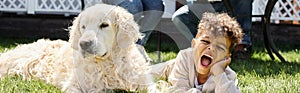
(100, 55)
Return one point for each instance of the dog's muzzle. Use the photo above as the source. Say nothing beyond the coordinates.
(87, 46)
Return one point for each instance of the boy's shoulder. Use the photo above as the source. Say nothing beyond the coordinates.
(185, 51)
(186, 54)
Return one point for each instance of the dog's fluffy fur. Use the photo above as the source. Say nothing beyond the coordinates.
(101, 54)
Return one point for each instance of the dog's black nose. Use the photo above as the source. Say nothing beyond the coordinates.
(85, 45)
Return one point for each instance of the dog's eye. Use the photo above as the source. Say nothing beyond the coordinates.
(103, 25)
(83, 27)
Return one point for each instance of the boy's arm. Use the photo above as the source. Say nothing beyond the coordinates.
(179, 77)
(224, 77)
(226, 82)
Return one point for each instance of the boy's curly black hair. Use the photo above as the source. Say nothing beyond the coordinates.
(220, 24)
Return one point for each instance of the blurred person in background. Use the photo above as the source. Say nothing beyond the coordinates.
(147, 13)
(189, 12)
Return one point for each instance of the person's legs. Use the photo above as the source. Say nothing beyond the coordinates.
(186, 22)
(186, 18)
(135, 7)
(242, 10)
(219, 6)
(153, 11)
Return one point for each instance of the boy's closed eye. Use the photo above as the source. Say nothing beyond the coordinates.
(205, 41)
(222, 48)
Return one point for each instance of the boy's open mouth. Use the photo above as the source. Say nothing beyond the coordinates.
(206, 60)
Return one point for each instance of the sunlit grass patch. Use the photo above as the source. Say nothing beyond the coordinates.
(275, 83)
(15, 84)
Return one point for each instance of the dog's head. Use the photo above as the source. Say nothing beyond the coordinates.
(99, 28)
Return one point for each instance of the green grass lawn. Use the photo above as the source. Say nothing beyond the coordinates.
(259, 74)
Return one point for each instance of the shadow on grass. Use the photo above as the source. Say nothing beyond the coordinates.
(263, 65)
(13, 42)
(166, 44)
(284, 36)
(264, 68)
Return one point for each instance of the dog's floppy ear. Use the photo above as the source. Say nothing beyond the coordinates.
(75, 32)
(127, 28)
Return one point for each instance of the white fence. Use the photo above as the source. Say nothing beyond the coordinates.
(65, 7)
(13, 5)
(283, 10)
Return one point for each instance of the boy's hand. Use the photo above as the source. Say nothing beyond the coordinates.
(219, 67)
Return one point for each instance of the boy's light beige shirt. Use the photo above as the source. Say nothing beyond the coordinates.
(182, 76)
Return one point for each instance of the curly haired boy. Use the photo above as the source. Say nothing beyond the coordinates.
(204, 66)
